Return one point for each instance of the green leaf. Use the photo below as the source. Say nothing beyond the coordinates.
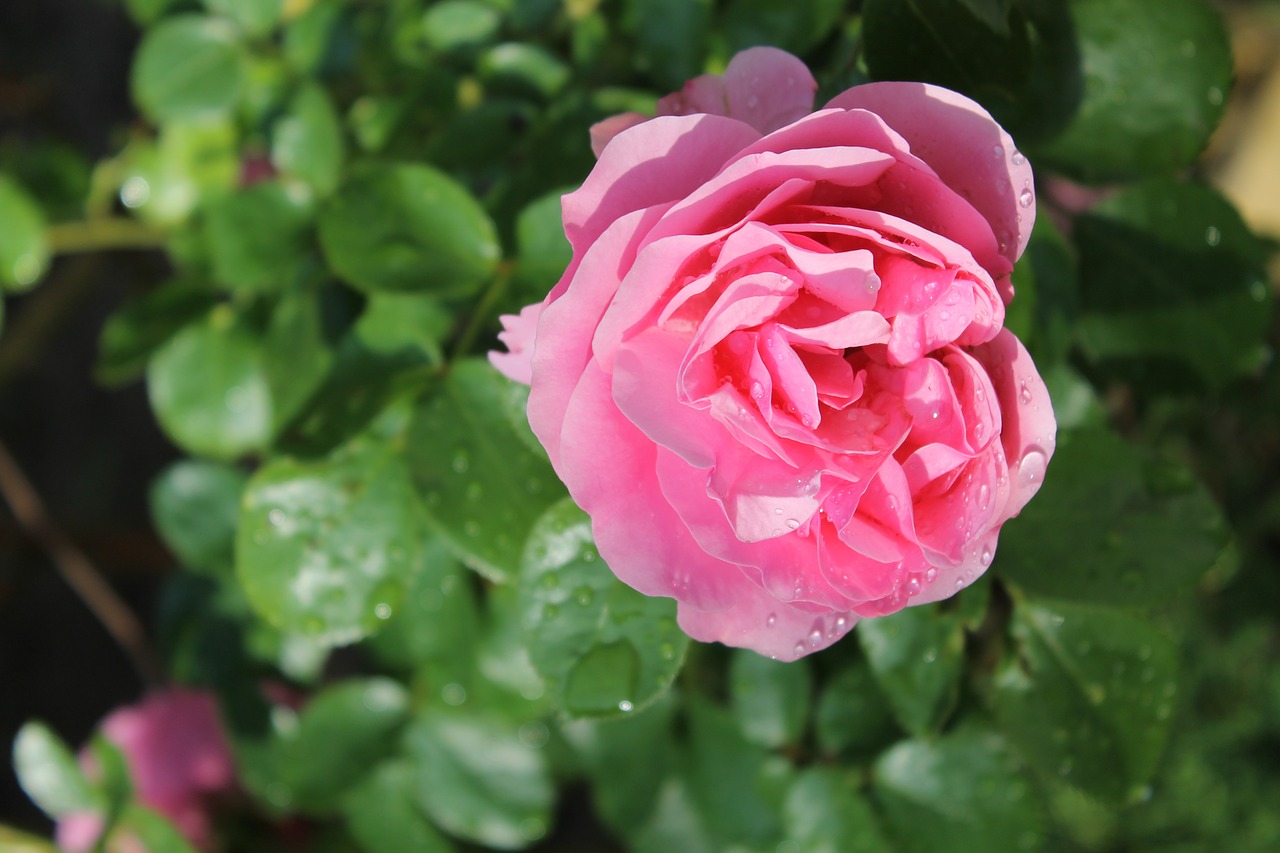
(1025, 73)
(1170, 271)
(188, 66)
(408, 227)
(1046, 306)
(797, 26)
(257, 238)
(676, 824)
(601, 647)
(1086, 695)
(195, 505)
(132, 334)
(311, 37)
(382, 816)
(325, 547)
(825, 813)
(1156, 73)
(307, 141)
(341, 734)
(477, 780)
(482, 485)
(542, 251)
(916, 656)
(960, 792)
(460, 25)
(993, 13)
(522, 69)
(208, 390)
(852, 714)
(49, 773)
(296, 357)
(643, 743)
(256, 17)
(438, 617)
(146, 11)
(397, 322)
(737, 788)
(769, 698)
(150, 830)
(24, 248)
(193, 161)
(671, 38)
(1113, 524)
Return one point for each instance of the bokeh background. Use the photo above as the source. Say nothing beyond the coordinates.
(91, 451)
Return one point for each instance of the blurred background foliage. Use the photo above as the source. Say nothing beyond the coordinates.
(254, 251)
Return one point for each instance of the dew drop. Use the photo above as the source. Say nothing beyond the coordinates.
(1031, 468)
(275, 518)
(1026, 197)
(1212, 236)
(930, 575)
(792, 524)
(799, 649)
(757, 390)
(997, 151)
(930, 655)
(625, 707)
(382, 611)
(1018, 159)
(815, 637)
(984, 495)
(987, 557)
(1024, 394)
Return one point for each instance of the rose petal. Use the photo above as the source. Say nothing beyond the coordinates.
(762, 86)
(965, 146)
(1029, 430)
(653, 163)
(760, 622)
(519, 331)
(603, 132)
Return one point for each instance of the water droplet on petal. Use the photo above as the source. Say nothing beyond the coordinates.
(815, 637)
(771, 621)
(1017, 158)
(997, 151)
(1024, 394)
(1031, 468)
(1026, 197)
(792, 524)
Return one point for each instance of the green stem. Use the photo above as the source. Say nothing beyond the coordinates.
(480, 315)
(97, 235)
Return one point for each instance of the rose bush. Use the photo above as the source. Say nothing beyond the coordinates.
(178, 757)
(775, 373)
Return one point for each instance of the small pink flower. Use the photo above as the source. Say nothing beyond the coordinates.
(178, 757)
(775, 373)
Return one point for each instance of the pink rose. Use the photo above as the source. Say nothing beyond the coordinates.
(177, 756)
(775, 373)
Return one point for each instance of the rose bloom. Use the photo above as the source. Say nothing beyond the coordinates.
(775, 373)
(178, 757)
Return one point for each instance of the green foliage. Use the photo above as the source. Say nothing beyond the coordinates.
(348, 194)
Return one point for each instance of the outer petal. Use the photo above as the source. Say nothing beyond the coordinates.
(759, 622)
(763, 86)
(602, 132)
(1029, 432)
(518, 335)
(567, 324)
(653, 163)
(636, 531)
(964, 145)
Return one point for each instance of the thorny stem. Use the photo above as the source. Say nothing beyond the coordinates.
(77, 570)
